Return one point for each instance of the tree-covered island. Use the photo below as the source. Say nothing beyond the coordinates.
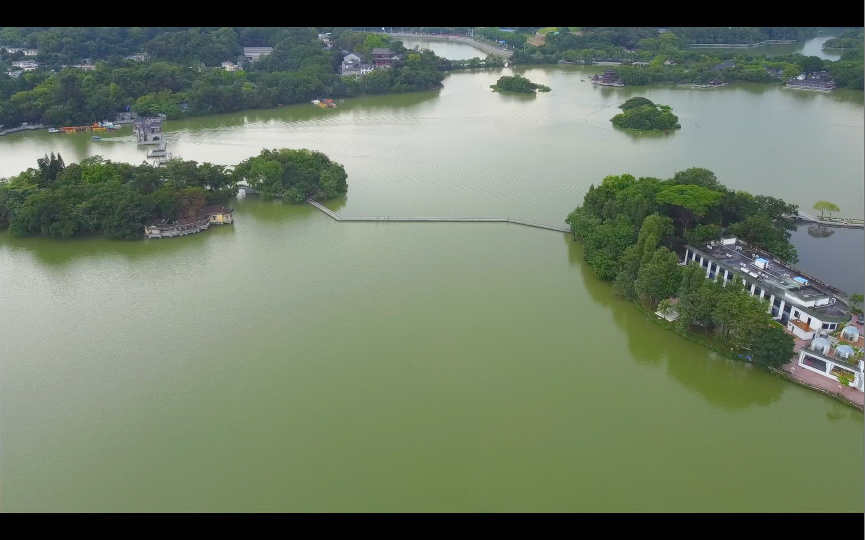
(518, 84)
(640, 113)
(632, 230)
(98, 196)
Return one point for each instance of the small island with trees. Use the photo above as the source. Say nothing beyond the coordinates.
(642, 114)
(517, 84)
(118, 200)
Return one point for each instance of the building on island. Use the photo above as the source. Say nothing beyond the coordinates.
(352, 58)
(383, 57)
(356, 69)
(832, 357)
(792, 294)
(254, 53)
(162, 228)
(726, 64)
(809, 309)
(819, 80)
(219, 214)
(608, 78)
(148, 131)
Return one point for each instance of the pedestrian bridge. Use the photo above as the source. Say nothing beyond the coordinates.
(338, 217)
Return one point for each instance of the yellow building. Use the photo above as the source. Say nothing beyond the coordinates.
(220, 214)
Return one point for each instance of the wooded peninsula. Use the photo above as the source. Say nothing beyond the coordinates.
(65, 76)
(632, 230)
(98, 196)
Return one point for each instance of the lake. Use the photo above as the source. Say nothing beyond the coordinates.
(291, 362)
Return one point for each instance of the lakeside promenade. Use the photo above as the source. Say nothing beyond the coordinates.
(485, 46)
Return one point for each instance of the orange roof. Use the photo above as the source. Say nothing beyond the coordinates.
(801, 325)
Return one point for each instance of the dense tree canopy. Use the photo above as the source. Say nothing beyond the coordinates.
(182, 74)
(641, 113)
(295, 175)
(670, 60)
(632, 228)
(98, 196)
(518, 84)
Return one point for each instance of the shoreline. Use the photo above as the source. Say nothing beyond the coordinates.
(443, 38)
(482, 45)
(780, 372)
(739, 45)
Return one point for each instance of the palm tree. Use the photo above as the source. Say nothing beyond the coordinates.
(664, 306)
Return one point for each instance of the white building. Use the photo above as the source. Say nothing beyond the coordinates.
(352, 58)
(27, 52)
(356, 69)
(254, 53)
(141, 57)
(26, 65)
(811, 305)
(228, 65)
(831, 358)
(86, 66)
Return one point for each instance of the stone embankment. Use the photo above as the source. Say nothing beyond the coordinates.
(482, 45)
(739, 45)
(21, 128)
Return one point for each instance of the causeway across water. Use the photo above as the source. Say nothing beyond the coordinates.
(338, 217)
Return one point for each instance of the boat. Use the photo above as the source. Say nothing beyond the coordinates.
(54, 130)
(318, 103)
(95, 138)
(330, 104)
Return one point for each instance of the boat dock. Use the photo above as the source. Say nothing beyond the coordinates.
(338, 217)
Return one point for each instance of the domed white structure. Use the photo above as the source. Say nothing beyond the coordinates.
(850, 333)
(820, 345)
(844, 351)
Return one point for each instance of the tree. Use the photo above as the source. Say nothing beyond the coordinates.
(697, 176)
(826, 206)
(659, 276)
(844, 377)
(738, 315)
(690, 201)
(856, 302)
(772, 346)
(665, 306)
(762, 232)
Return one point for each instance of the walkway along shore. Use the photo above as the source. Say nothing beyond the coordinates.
(338, 217)
(847, 223)
(486, 47)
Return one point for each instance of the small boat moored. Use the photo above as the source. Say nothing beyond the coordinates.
(54, 130)
(95, 138)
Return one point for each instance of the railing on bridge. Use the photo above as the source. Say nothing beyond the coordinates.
(338, 217)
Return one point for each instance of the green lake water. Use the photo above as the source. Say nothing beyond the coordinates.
(291, 362)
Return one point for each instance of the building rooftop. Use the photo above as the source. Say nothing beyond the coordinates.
(756, 265)
(382, 51)
(254, 53)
